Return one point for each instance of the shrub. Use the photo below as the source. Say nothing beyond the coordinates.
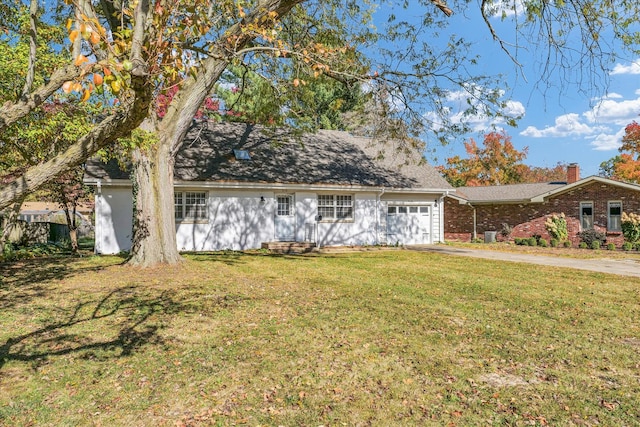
(595, 244)
(566, 243)
(627, 246)
(543, 243)
(583, 245)
(556, 226)
(611, 247)
(554, 243)
(630, 224)
(518, 241)
(590, 236)
(532, 241)
(506, 231)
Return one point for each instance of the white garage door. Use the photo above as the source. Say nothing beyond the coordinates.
(408, 225)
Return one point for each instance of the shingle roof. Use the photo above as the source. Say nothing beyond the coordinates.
(325, 157)
(506, 193)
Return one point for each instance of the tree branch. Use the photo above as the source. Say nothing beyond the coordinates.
(133, 110)
(33, 32)
(12, 112)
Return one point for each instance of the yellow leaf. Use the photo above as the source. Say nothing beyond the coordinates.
(85, 95)
(73, 35)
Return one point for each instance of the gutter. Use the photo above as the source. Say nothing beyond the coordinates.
(274, 186)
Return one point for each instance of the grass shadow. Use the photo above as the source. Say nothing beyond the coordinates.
(21, 281)
(133, 314)
(235, 257)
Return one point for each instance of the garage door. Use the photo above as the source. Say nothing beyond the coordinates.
(408, 225)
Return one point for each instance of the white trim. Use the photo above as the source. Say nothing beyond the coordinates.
(276, 186)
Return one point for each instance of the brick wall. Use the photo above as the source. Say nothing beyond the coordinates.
(528, 219)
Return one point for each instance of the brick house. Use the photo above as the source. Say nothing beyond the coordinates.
(592, 202)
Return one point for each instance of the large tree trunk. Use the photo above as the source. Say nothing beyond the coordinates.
(154, 230)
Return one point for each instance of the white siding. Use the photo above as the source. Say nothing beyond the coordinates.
(237, 220)
(114, 220)
(360, 231)
(244, 219)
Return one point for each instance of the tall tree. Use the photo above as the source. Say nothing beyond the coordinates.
(496, 163)
(532, 174)
(625, 166)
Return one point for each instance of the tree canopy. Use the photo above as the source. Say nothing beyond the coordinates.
(137, 50)
(497, 162)
(626, 165)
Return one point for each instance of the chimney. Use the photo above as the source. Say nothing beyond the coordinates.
(573, 173)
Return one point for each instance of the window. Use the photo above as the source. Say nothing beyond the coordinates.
(615, 212)
(284, 206)
(586, 215)
(335, 206)
(242, 155)
(190, 205)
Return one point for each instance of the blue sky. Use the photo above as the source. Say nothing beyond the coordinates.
(559, 123)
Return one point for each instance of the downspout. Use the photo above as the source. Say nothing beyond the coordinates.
(475, 233)
(97, 232)
(378, 219)
(441, 214)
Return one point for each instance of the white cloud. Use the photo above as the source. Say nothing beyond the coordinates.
(458, 101)
(565, 125)
(612, 95)
(502, 9)
(613, 111)
(607, 142)
(633, 68)
(514, 109)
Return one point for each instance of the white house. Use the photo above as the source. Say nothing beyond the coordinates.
(239, 185)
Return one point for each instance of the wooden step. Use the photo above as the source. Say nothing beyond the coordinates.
(289, 247)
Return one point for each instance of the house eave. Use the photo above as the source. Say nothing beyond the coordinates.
(542, 197)
(504, 202)
(274, 186)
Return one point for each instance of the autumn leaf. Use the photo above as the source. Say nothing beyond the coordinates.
(67, 86)
(94, 38)
(81, 59)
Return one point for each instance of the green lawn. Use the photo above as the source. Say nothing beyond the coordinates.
(377, 338)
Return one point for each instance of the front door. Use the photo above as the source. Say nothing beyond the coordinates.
(285, 220)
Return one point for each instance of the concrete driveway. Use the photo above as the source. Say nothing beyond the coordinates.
(620, 267)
